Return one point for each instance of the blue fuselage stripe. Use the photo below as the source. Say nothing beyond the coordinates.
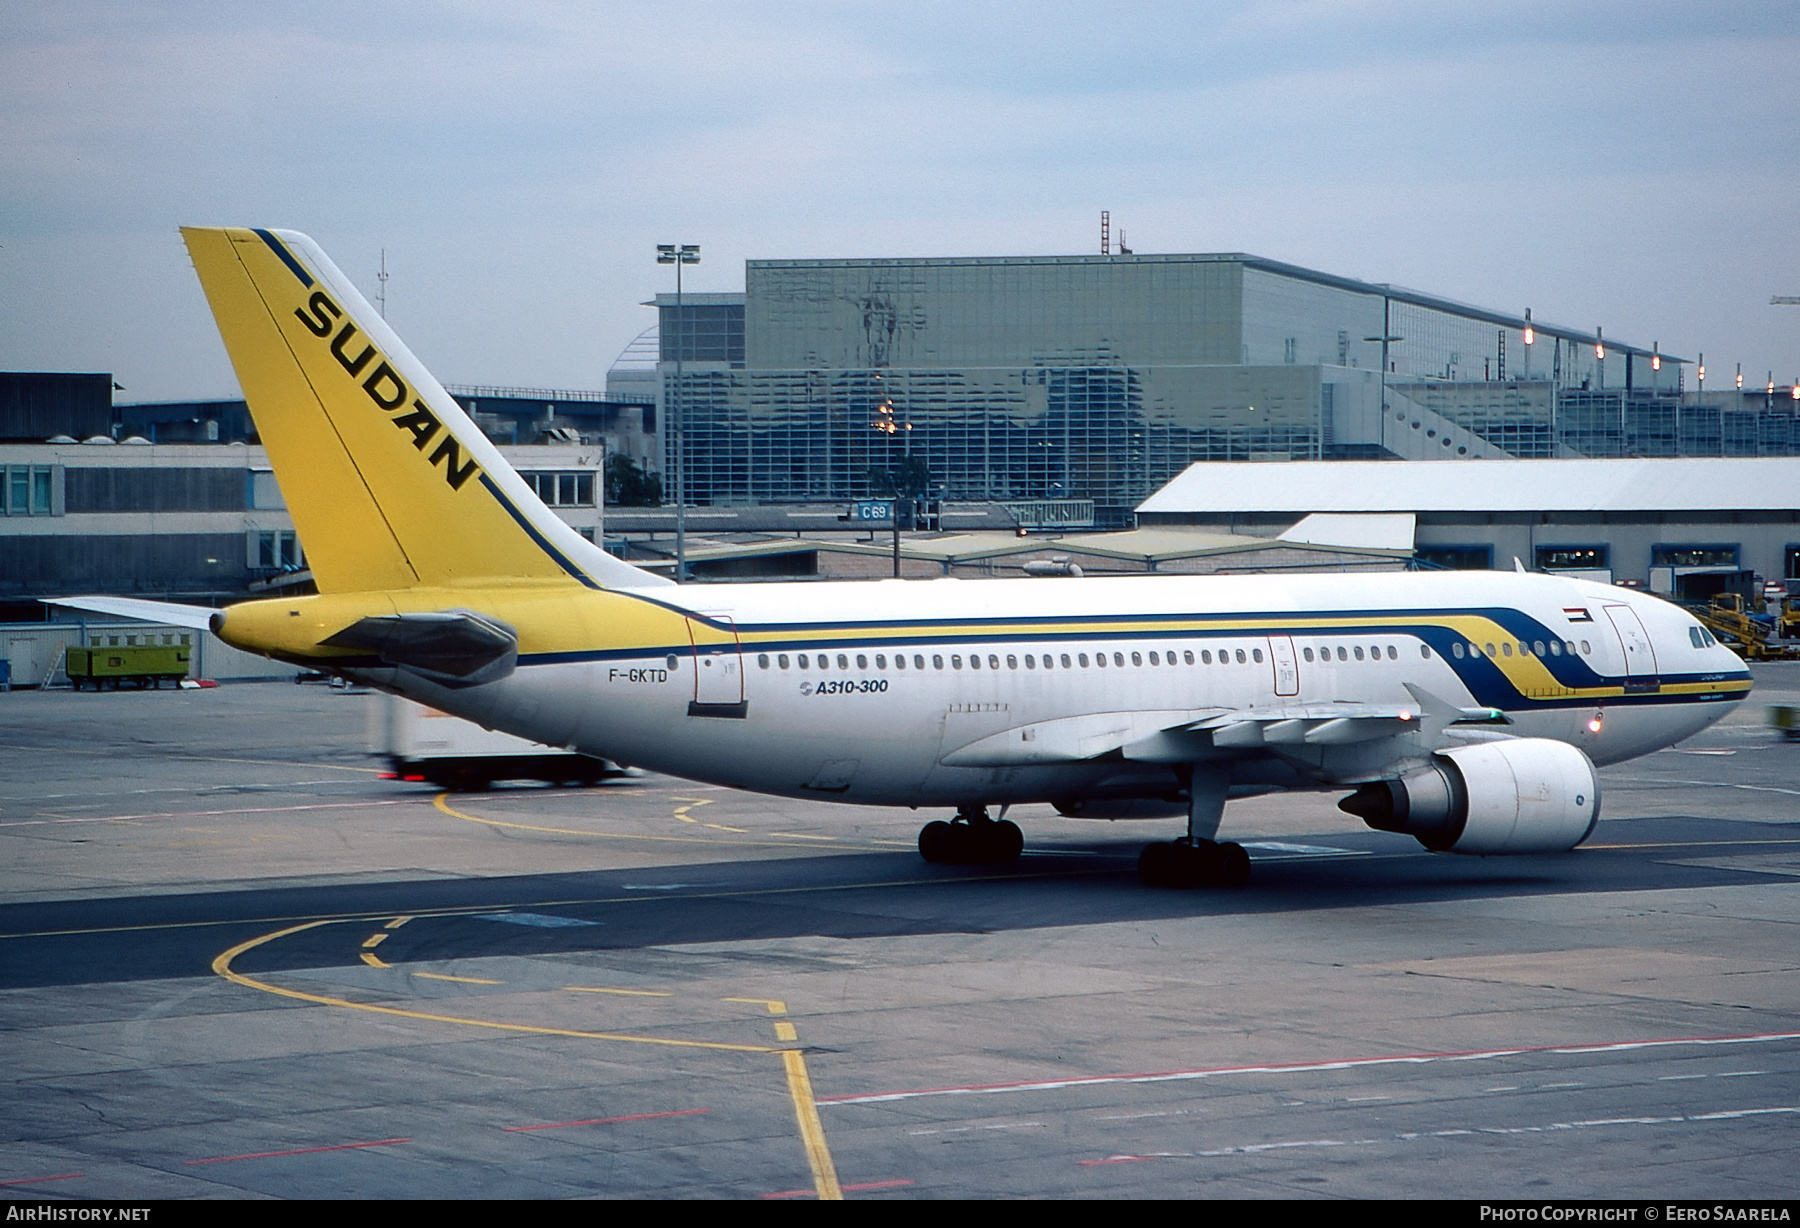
(543, 543)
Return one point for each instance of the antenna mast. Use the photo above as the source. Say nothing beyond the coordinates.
(382, 278)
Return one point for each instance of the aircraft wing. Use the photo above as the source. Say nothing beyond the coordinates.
(197, 616)
(1182, 735)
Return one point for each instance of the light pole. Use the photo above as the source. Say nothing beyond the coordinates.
(1387, 338)
(686, 253)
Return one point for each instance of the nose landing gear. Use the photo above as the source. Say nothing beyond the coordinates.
(972, 839)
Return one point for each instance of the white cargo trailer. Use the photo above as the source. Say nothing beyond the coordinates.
(422, 743)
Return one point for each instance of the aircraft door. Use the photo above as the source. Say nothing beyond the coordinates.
(718, 663)
(1640, 659)
(1287, 669)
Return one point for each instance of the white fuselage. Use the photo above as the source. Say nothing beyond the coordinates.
(859, 691)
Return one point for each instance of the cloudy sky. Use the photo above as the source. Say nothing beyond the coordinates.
(1631, 165)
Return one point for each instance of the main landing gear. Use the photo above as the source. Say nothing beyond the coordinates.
(1202, 863)
(1196, 860)
(972, 839)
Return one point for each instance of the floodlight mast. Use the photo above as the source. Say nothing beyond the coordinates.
(678, 255)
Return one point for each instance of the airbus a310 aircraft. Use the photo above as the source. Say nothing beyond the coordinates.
(1467, 709)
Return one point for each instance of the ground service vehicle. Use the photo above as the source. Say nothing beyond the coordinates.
(422, 743)
(140, 665)
(1465, 709)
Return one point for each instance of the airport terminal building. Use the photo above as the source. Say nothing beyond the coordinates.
(1102, 377)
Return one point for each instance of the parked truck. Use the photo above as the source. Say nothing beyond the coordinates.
(423, 744)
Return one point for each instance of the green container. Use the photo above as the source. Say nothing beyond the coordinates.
(140, 665)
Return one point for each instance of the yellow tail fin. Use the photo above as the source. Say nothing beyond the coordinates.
(390, 484)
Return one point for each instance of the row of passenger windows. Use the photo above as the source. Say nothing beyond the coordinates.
(1225, 656)
(1079, 660)
(1537, 648)
(992, 660)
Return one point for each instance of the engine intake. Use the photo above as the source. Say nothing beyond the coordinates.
(1524, 795)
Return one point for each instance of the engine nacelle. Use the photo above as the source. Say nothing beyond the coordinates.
(1524, 795)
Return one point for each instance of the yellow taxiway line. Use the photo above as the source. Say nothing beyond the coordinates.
(799, 1082)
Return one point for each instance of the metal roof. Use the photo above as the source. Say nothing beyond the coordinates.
(1398, 294)
(1710, 486)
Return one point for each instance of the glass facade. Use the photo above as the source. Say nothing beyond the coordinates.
(1094, 377)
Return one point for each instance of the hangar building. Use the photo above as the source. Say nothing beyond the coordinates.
(1648, 522)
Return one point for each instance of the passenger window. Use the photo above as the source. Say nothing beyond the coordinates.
(899, 660)
(782, 660)
(1119, 659)
(994, 662)
(1425, 651)
(1257, 654)
(1031, 662)
(862, 662)
(1153, 659)
(881, 661)
(1306, 653)
(1206, 656)
(1136, 659)
(1342, 655)
(762, 660)
(1393, 653)
(1082, 657)
(1065, 660)
(1187, 656)
(1506, 648)
(1586, 649)
(803, 664)
(919, 661)
(1240, 656)
(1457, 649)
(1100, 659)
(844, 662)
(974, 661)
(1012, 662)
(1358, 652)
(937, 662)
(1556, 648)
(1489, 649)
(673, 662)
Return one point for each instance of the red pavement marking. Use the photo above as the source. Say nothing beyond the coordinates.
(867, 1185)
(35, 1180)
(605, 1121)
(299, 1151)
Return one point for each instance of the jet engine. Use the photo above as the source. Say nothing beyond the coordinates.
(1523, 795)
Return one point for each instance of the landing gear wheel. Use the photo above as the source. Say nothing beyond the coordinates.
(1233, 865)
(972, 840)
(1200, 864)
(937, 839)
(1155, 867)
(1006, 842)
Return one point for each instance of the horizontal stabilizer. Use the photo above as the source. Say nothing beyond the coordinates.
(457, 648)
(197, 616)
